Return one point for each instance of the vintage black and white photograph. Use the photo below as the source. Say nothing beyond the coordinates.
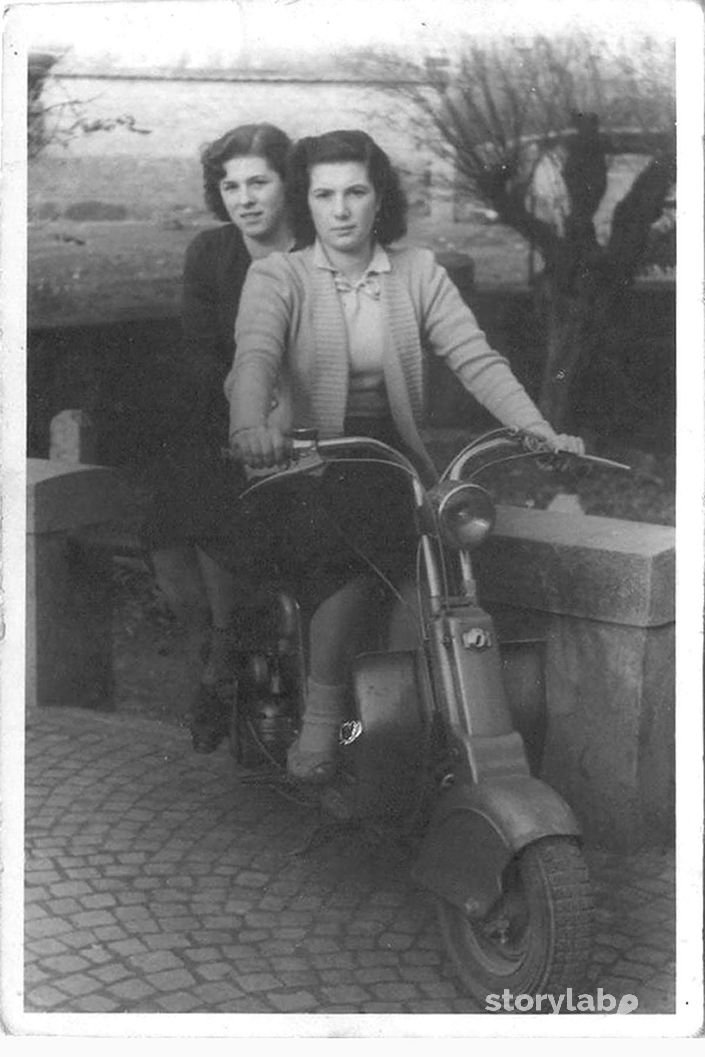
(345, 640)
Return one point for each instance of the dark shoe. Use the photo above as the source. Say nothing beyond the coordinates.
(210, 720)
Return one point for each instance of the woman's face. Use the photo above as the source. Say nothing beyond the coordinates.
(343, 205)
(253, 195)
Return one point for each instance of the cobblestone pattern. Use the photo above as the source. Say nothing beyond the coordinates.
(155, 882)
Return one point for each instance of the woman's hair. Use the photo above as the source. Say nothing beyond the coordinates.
(344, 145)
(261, 141)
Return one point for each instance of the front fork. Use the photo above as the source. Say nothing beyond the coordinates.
(490, 807)
(468, 686)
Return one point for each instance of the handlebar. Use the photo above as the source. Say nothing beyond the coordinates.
(308, 454)
(507, 445)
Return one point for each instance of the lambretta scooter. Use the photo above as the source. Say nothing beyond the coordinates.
(432, 746)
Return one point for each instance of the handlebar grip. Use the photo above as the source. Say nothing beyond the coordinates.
(308, 435)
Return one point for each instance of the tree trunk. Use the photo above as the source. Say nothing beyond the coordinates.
(583, 283)
(569, 341)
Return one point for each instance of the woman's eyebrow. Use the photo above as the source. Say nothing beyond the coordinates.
(347, 187)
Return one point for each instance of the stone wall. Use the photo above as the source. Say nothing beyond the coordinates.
(603, 592)
(68, 658)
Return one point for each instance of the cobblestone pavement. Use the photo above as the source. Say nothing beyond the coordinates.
(155, 882)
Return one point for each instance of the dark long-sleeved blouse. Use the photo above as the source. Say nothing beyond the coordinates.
(193, 489)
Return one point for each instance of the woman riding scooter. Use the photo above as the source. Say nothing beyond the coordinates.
(335, 334)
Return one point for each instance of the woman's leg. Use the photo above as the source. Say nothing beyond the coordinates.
(222, 593)
(336, 630)
(210, 710)
(179, 579)
(181, 584)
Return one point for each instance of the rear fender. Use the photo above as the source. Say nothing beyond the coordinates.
(476, 831)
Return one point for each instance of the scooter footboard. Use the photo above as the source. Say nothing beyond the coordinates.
(477, 829)
(387, 752)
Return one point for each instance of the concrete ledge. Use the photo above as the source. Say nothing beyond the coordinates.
(62, 496)
(598, 568)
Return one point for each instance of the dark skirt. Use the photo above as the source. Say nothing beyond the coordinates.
(192, 498)
(320, 532)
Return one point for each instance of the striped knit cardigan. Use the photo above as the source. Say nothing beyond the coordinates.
(291, 363)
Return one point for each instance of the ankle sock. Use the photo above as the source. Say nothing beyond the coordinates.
(326, 708)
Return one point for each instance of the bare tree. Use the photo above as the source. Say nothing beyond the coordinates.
(62, 121)
(506, 116)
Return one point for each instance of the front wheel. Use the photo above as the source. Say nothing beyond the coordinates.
(537, 937)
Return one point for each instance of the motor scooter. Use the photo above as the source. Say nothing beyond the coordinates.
(432, 746)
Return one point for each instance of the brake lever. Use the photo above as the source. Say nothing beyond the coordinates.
(308, 461)
(559, 459)
(570, 462)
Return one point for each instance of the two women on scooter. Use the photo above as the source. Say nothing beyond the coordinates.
(334, 336)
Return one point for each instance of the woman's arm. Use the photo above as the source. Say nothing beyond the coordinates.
(452, 332)
(201, 298)
(261, 330)
(191, 372)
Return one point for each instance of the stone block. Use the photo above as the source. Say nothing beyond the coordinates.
(64, 496)
(603, 592)
(609, 748)
(72, 437)
(582, 566)
(68, 656)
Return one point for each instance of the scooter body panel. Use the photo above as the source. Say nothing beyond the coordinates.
(477, 829)
(469, 664)
(386, 754)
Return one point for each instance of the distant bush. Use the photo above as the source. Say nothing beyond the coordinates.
(48, 211)
(93, 210)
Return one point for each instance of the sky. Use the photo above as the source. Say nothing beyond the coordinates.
(149, 33)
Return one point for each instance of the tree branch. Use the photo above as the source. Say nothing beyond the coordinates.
(635, 213)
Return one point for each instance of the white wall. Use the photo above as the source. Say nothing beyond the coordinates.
(183, 114)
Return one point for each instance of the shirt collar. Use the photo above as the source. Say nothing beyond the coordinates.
(379, 263)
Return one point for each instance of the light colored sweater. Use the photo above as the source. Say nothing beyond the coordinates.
(291, 366)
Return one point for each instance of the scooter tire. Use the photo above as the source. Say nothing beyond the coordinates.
(537, 938)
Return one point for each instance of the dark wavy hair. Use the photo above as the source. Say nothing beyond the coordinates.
(344, 145)
(261, 141)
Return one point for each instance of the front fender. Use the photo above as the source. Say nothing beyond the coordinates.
(477, 829)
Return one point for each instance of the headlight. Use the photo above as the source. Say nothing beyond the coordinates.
(466, 514)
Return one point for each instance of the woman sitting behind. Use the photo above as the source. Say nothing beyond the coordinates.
(195, 491)
(340, 329)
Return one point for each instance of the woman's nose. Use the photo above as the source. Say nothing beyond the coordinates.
(340, 206)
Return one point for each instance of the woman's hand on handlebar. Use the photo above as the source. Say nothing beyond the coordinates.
(558, 441)
(261, 447)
